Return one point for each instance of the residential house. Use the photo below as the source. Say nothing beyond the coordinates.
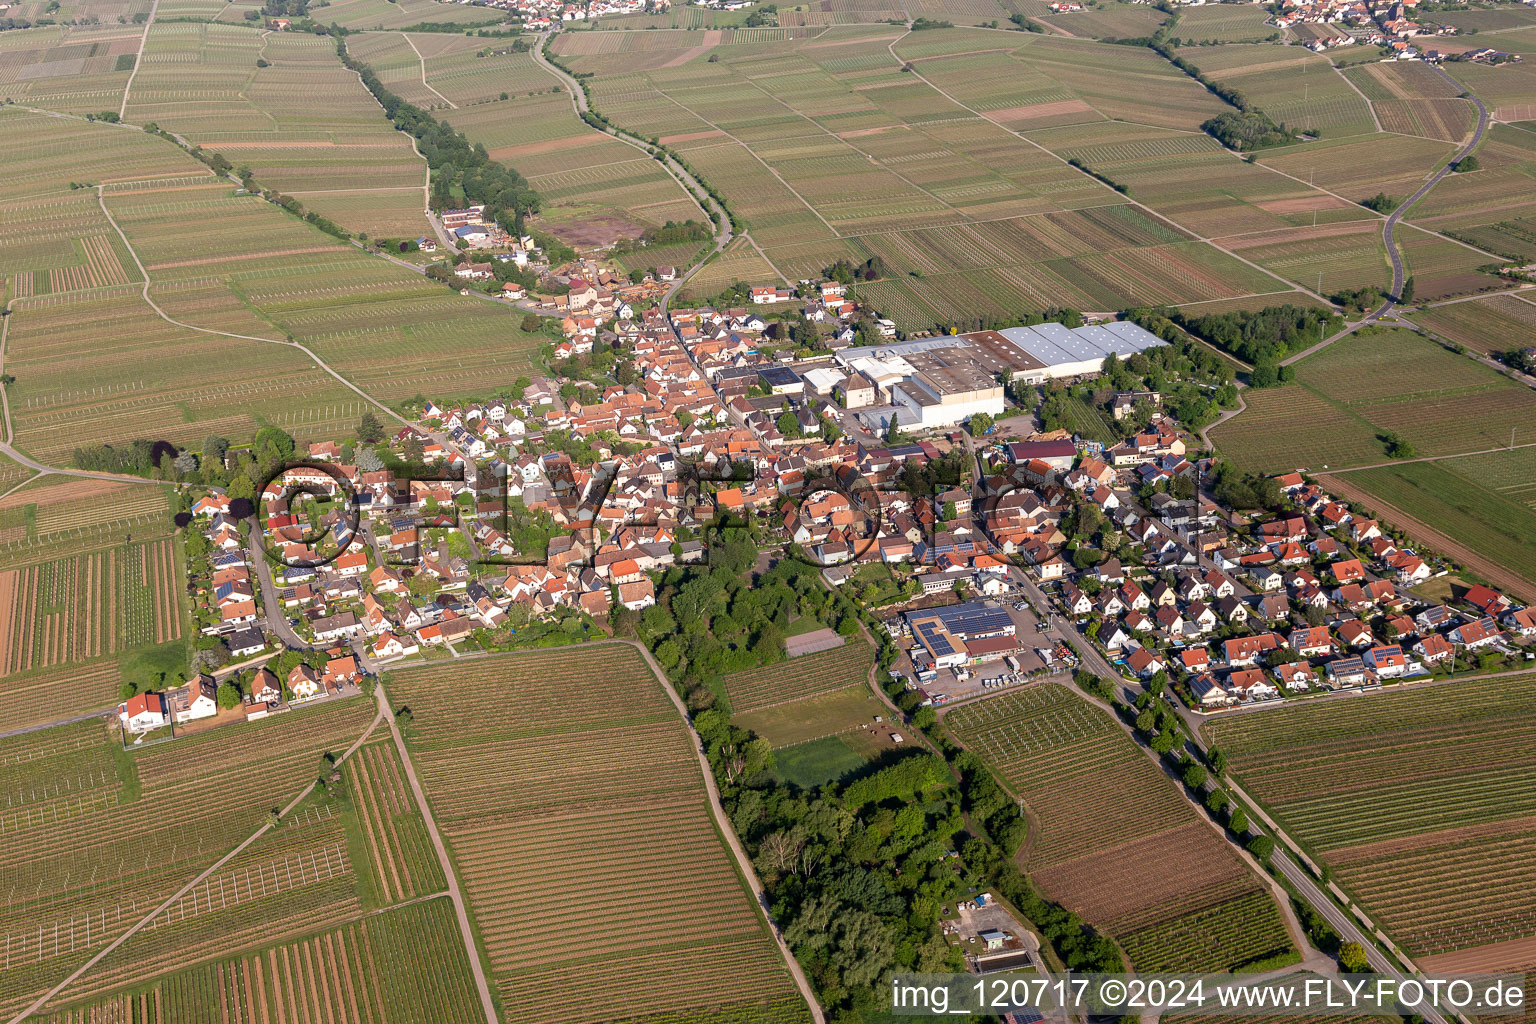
(143, 712)
(1386, 661)
(1356, 634)
(200, 700)
(1245, 651)
(1433, 648)
(1208, 692)
(1145, 663)
(265, 688)
(1295, 676)
(1522, 621)
(1347, 672)
(1474, 635)
(305, 683)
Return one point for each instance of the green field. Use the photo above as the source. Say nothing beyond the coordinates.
(1484, 501)
(823, 715)
(243, 275)
(1491, 207)
(1293, 85)
(1370, 383)
(1422, 802)
(1113, 840)
(815, 763)
(1224, 23)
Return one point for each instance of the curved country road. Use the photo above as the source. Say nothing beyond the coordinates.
(690, 184)
(1395, 215)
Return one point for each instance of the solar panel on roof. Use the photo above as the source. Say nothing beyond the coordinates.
(969, 620)
(935, 640)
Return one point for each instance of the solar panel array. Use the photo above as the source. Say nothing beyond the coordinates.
(933, 636)
(970, 620)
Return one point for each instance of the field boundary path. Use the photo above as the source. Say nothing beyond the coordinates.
(387, 714)
(84, 716)
(723, 824)
(138, 61)
(691, 185)
(412, 44)
(144, 921)
(1368, 104)
(1226, 414)
(1289, 285)
(1348, 330)
(322, 364)
(1434, 179)
(9, 450)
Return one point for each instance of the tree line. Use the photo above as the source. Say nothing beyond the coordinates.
(461, 171)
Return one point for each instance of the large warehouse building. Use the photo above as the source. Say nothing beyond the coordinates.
(933, 382)
(938, 382)
(1045, 351)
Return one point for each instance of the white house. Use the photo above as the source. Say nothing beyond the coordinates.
(143, 712)
(199, 701)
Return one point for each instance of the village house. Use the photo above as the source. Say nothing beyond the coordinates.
(197, 700)
(143, 712)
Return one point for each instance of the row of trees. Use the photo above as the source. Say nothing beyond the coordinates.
(458, 167)
(1261, 336)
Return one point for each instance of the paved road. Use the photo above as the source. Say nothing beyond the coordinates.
(690, 184)
(272, 607)
(1395, 215)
